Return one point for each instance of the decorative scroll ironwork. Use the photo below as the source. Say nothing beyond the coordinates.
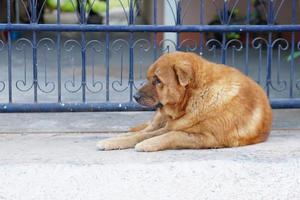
(164, 45)
(188, 45)
(47, 46)
(69, 46)
(97, 47)
(212, 46)
(22, 85)
(143, 46)
(118, 47)
(283, 45)
(257, 44)
(236, 45)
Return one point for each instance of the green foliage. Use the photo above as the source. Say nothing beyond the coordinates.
(296, 55)
(233, 35)
(97, 5)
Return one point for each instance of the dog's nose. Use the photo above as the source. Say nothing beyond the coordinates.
(137, 96)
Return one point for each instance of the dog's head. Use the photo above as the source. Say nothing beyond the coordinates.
(168, 79)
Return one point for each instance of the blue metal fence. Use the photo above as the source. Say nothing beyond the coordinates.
(40, 69)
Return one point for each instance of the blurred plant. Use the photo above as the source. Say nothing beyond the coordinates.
(65, 5)
(235, 19)
(97, 6)
(295, 56)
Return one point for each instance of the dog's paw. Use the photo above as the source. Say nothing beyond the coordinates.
(146, 147)
(116, 144)
(106, 145)
(103, 145)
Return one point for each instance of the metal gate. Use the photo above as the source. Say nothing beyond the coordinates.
(96, 66)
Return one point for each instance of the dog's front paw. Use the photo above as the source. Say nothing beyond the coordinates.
(146, 147)
(105, 145)
(115, 144)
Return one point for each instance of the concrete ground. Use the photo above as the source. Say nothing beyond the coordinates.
(53, 156)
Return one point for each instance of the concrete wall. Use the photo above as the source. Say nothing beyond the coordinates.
(192, 11)
(148, 13)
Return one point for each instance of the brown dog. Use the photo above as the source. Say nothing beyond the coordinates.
(200, 104)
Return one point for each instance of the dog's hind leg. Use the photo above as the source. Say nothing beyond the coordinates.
(178, 140)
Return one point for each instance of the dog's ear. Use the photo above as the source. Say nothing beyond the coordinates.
(184, 72)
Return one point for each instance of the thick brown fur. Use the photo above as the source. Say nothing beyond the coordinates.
(201, 105)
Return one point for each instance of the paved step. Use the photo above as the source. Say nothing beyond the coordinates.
(103, 122)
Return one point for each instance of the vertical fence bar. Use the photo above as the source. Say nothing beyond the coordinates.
(107, 52)
(83, 51)
(259, 65)
(131, 52)
(269, 50)
(9, 53)
(178, 23)
(201, 23)
(292, 65)
(58, 54)
(246, 69)
(225, 21)
(155, 33)
(17, 10)
(34, 48)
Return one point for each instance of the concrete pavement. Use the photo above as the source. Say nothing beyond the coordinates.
(53, 156)
(68, 166)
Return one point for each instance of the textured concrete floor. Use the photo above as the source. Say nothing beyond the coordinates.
(68, 166)
(53, 156)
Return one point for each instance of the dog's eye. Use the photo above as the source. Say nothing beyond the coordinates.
(156, 81)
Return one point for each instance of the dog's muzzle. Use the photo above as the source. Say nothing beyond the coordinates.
(137, 96)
